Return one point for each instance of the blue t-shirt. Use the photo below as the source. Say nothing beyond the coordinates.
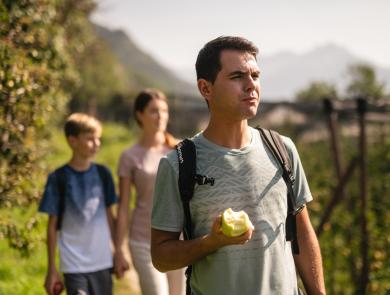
(84, 238)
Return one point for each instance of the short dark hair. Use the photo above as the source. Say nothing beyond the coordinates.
(208, 63)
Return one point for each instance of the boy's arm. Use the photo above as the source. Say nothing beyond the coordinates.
(309, 261)
(111, 222)
(120, 262)
(169, 252)
(52, 277)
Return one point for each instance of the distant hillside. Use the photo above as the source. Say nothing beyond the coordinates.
(286, 73)
(142, 69)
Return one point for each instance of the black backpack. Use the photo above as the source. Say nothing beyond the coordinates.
(60, 175)
(186, 153)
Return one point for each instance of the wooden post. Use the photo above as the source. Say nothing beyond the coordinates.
(364, 243)
(332, 124)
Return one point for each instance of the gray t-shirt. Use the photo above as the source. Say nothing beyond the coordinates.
(247, 179)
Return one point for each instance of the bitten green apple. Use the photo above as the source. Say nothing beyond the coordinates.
(235, 223)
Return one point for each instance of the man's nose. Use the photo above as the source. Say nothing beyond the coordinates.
(251, 84)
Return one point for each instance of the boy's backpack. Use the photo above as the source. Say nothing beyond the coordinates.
(60, 175)
(186, 153)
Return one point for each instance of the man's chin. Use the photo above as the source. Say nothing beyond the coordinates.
(250, 113)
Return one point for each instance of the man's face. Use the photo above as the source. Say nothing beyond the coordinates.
(235, 93)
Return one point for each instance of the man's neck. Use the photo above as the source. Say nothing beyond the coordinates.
(234, 135)
(79, 163)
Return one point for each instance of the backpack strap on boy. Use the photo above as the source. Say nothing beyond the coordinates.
(60, 175)
(274, 143)
(186, 154)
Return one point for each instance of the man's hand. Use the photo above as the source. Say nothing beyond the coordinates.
(120, 264)
(169, 252)
(219, 239)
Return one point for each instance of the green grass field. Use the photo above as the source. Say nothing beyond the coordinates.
(24, 275)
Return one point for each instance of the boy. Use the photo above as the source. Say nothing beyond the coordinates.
(78, 198)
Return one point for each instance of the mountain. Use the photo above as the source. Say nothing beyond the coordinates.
(284, 74)
(142, 69)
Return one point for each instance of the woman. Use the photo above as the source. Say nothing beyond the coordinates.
(138, 167)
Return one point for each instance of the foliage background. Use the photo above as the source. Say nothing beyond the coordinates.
(51, 60)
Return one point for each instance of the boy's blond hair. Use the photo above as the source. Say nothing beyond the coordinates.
(78, 123)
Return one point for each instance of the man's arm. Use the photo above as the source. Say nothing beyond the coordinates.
(169, 253)
(309, 261)
(52, 277)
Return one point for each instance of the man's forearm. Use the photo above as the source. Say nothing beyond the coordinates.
(309, 261)
(169, 253)
(173, 254)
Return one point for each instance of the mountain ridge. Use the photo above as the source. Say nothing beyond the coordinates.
(283, 74)
(142, 68)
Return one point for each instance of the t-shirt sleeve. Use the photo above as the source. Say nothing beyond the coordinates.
(301, 186)
(167, 212)
(126, 166)
(112, 197)
(50, 199)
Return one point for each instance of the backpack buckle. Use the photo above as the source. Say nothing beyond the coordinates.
(204, 179)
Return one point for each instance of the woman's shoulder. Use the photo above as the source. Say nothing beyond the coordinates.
(134, 150)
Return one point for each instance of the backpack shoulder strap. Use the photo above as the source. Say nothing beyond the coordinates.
(274, 143)
(105, 177)
(186, 154)
(60, 176)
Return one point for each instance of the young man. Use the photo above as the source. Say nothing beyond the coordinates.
(247, 177)
(78, 198)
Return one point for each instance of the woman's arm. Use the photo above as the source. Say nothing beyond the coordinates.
(120, 262)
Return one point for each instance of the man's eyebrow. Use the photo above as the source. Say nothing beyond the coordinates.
(238, 72)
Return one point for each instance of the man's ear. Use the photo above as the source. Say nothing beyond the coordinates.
(205, 88)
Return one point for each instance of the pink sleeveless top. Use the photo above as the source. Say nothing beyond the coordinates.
(140, 165)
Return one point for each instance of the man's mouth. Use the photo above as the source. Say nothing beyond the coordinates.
(250, 99)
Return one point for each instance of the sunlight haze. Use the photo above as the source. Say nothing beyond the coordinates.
(174, 31)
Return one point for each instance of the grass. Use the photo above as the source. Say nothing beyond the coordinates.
(25, 275)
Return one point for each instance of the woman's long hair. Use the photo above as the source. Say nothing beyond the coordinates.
(142, 100)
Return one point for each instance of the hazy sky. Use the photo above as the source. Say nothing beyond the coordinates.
(173, 31)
